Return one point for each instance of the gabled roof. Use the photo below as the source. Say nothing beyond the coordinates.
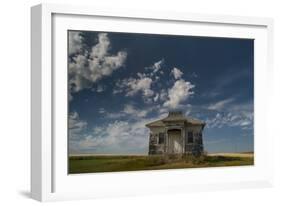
(158, 123)
(175, 116)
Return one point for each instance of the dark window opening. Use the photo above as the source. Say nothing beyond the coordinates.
(190, 137)
(200, 138)
(161, 138)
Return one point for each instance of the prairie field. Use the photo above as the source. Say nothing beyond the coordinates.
(117, 163)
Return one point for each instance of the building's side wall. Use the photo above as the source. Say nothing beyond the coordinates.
(195, 147)
(156, 147)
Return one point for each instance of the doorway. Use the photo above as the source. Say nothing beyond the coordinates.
(174, 141)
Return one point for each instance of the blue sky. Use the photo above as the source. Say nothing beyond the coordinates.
(118, 82)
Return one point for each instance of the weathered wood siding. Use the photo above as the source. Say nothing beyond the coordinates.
(154, 146)
(195, 147)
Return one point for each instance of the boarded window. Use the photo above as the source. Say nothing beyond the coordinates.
(190, 137)
(161, 138)
(153, 139)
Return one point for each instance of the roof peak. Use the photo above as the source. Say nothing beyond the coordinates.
(175, 113)
(175, 116)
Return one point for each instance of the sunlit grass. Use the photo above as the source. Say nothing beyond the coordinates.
(91, 164)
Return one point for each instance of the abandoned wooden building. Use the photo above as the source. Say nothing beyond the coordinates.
(176, 134)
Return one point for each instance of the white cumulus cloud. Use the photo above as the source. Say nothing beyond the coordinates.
(142, 84)
(179, 93)
(177, 73)
(89, 67)
(236, 119)
(75, 42)
(156, 67)
(220, 104)
(133, 86)
(131, 110)
(117, 137)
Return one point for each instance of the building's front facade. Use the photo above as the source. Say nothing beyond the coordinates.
(176, 134)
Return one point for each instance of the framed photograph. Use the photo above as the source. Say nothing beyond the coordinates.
(137, 102)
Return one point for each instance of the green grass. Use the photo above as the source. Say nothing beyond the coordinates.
(91, 164)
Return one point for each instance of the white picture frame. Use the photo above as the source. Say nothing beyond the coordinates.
(49, 179)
